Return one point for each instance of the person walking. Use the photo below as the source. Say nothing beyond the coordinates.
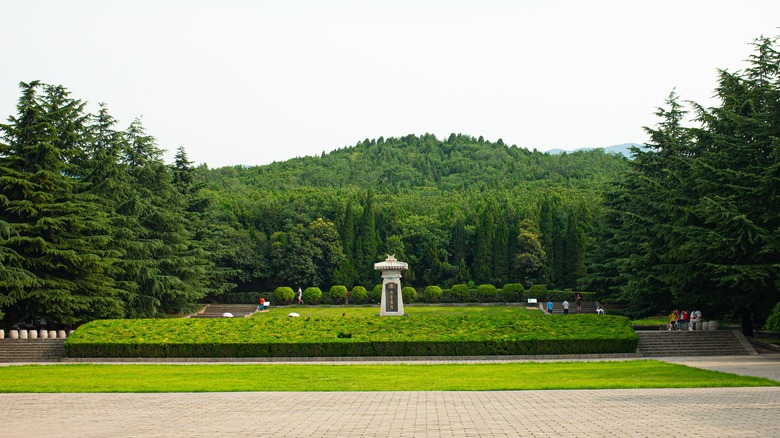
(549, 307)
(578, 299)
(565, 307)
(300, 296)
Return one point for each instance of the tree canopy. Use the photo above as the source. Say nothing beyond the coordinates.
(695, 219)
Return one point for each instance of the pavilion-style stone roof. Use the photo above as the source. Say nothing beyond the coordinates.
(391, 263)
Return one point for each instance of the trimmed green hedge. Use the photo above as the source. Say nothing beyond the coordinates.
(359, 295)
(245, 297)
(312, 295)
(283, 295)
(375, 294)
(338, 294)
(470, 335)
(487, 293)
(432, 294)
(511, 293)
(409, 294)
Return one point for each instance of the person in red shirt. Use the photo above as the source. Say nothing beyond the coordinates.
(684, 318)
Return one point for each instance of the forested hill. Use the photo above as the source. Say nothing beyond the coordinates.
(459, 162)
(458, 210)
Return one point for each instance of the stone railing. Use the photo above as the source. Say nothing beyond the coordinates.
(35, 334)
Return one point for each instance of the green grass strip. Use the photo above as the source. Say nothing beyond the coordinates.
(398, 377)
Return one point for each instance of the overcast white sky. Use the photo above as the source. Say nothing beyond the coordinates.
(252, 82)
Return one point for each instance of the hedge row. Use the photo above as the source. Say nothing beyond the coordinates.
(510, 293)
(355, 349)
(471, 335)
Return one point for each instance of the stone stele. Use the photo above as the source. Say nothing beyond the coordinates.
(392, 303)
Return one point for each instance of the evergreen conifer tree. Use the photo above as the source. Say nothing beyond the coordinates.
(54, 236)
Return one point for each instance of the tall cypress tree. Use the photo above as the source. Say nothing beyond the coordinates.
(547, 213)
(730, 236)
(346, 274)
(366, 244)
(501, 259)
(485, 238)
(697, 214)
(208, 239)
(169, 273)
(54, 235)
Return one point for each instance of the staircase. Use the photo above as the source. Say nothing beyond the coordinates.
(32, 350)
(216, 310)
(659, 343)
(587, 307)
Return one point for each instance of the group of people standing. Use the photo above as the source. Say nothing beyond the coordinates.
(565, 304)
(682, 320)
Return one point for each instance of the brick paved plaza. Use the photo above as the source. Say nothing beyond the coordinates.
(714, 412)
(721, 412)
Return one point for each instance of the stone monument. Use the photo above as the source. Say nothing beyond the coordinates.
(392, 303)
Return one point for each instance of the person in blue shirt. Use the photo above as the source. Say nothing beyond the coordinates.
(549, 307)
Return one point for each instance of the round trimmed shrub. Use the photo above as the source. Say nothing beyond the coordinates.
(432, 294)
(512, 293)
(312, 295)
(409, 294)
(338, 294)
(283, 295)
(359, 295)
(538, 291)
(486, 293)
(375, 295)
(459, 293)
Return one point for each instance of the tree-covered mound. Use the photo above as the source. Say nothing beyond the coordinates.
(458, 210)
(461, 335)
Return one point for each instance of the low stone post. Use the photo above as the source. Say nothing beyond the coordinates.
(61, 334)
(22, 334)
(43, 334)
(33, 334)
(52, 334)
(2, 333)
(13, 334)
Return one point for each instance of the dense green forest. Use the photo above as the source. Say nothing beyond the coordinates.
(93, 224)
(458, 210)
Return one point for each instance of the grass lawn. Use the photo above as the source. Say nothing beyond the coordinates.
(411, 310)
(332, 377)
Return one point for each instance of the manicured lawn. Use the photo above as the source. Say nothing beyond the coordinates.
(517, 332)
(332, 377)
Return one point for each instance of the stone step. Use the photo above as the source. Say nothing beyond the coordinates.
(32, 350)
(695, 343)
(216, 310)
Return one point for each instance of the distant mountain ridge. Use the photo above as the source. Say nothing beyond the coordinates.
(618, 149)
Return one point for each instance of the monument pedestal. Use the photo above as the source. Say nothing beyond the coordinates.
(392, 302)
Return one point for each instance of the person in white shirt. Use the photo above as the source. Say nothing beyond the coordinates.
(695, 321)
(565, 307)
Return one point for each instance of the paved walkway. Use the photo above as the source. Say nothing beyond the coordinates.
(709, 412)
